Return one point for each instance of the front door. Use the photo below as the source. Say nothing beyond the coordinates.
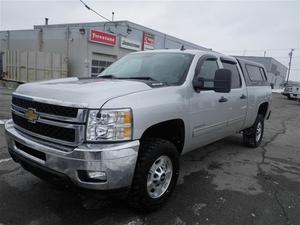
(208, 110)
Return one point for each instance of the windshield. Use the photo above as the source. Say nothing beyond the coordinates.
(169, 68)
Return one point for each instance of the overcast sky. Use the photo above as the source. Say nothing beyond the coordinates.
(231, 27)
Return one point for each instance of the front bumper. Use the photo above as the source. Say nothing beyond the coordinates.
(117, 160)
(289, 94)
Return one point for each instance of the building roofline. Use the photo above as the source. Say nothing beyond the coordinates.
(162, 34)
(134, 25)
(91, 24)
(18, 30)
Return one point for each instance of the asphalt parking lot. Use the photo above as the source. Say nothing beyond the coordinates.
(223, 183)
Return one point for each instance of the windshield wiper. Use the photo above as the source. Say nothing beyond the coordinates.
(109, 76)
(139, 78)
(155, 83)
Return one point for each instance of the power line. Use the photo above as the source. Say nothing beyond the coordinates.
(89, 8)
(285, 57)
(258, 50)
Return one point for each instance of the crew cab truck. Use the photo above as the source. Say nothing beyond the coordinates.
(296, 93)
(126, 129)
(291, 91)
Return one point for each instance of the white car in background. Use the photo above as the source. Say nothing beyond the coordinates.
(297, 93)
(290, 91)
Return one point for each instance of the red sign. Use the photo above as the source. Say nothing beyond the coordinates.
(148, 41)
(103, 38)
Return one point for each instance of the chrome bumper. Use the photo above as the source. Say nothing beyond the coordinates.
(117, 160)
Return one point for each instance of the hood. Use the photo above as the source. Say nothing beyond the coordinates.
(88, 92)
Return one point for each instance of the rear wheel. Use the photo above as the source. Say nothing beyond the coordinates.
(156, 174)
(252, 137)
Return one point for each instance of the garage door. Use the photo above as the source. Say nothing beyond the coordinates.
(100, 62)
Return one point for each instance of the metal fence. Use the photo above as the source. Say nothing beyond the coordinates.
(26, 66)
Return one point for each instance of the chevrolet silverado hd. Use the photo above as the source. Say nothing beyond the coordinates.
(126, 129)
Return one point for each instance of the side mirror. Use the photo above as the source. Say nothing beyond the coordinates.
(222, 81)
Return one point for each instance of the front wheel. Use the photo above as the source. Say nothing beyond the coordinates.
(252, 137)
(156, 174)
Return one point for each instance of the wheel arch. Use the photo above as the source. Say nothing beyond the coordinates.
(171, 130)
(263, 109)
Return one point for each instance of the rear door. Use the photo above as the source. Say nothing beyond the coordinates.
(237, 96)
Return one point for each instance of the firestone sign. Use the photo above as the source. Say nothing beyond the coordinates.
(103, 38)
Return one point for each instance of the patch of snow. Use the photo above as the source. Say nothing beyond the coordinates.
(4, 160)
(197, 207)
(277, 90)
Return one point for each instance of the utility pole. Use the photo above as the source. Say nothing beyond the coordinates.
(112, 16)
(290, 62)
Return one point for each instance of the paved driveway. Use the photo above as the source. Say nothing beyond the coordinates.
(223, 183)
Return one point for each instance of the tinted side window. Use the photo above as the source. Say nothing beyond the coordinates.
(207, 72)
(254, 73)
(235, 77)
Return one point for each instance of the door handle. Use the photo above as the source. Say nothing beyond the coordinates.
(222, 99)
(243, 96)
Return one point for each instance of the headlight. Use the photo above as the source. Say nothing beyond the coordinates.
(109, 125)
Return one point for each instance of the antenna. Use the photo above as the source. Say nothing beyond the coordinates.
(89, 8)
(182, 48)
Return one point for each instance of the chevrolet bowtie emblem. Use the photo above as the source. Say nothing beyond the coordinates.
(31, 115)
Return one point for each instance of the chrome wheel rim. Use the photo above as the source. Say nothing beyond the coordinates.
(159, 176)
(258, 131)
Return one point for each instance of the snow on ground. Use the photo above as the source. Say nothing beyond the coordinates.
(277, 90)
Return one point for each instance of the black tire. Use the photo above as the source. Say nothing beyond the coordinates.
(250, 136)
(290, 98)
(150, 150)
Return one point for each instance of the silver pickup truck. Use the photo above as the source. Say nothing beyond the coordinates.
(126, 129)
(291, 91)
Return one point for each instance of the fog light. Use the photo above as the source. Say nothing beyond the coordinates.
(92, 176)
(99, 175)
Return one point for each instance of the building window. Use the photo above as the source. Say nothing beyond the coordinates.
(98, 66)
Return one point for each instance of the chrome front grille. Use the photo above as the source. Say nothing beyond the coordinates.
(288, 89)
(59, 124)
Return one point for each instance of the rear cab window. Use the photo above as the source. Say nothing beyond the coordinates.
(255, 73)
